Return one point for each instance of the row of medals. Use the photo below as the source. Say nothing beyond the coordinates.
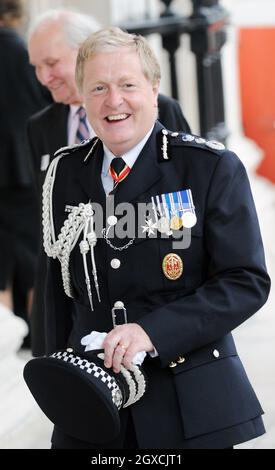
(164, 225)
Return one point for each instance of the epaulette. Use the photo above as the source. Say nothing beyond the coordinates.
(73, 148)
(170, 139)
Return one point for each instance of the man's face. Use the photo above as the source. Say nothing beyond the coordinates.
(120, 101)
(54, 63)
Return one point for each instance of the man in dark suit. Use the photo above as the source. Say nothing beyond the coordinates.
(53, 44)
(192, 270)
(21, 95)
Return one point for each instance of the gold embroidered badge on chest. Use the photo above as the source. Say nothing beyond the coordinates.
(172, 266)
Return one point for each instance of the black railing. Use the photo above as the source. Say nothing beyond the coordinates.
(206, 27)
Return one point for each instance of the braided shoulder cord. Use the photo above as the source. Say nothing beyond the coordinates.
(49, 239)
(62, 247)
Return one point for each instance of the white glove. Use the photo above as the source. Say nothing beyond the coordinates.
(95, 341)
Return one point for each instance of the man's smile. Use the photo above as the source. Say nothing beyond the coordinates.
(117, 117)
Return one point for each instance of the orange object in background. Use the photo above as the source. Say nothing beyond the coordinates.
(257, 82)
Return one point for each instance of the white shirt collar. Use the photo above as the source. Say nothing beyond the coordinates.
(74, 108)
(73, 122)
(129, 157)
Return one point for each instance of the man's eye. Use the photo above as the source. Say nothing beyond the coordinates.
(99, 89)
(129, 85)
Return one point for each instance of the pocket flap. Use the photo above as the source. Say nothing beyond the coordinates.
(210, 353)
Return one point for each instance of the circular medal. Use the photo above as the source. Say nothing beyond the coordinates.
(172, 266)
(163, 225)
(189, 219)
(176, 223)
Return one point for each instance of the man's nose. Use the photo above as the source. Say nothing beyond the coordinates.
(44, 76)
(114, 98)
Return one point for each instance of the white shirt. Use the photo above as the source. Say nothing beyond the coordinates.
(73, 122)
(129, 158)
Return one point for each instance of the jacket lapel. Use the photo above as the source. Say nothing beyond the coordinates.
(89, 176)
(144, 174)
(58, 130)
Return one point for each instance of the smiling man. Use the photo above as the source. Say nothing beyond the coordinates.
(53, 57)
(121, 102)
(54, 40)
(178, 305)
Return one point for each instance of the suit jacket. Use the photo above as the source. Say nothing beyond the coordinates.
(47, 132)
(199, 395)
(21, 96)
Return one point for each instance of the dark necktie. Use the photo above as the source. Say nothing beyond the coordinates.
(118, 170)
(82, 132)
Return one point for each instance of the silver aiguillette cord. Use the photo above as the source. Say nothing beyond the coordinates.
(84, 248)
(91, 237)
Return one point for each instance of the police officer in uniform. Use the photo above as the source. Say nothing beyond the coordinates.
(53, 44)
(190, 272)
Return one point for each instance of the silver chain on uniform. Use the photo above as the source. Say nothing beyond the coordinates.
(117, 248)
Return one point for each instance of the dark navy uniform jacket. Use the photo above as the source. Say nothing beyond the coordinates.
(206, 399)
(47, 132)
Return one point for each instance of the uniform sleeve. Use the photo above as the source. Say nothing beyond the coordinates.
(33, 155)
(236, 283)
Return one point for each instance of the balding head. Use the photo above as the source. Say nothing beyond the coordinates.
(76, 27)
(54, 40)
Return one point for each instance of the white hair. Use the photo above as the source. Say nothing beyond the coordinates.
(75, 26)
(110, 39)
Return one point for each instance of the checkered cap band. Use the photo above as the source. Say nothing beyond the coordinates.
(95, 370)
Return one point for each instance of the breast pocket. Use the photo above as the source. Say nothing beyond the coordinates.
(160, 261)
(182, 260)
(171, 259)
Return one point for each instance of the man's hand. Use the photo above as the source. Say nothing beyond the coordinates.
(123, 343)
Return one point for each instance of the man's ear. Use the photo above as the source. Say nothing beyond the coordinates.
(156, 91)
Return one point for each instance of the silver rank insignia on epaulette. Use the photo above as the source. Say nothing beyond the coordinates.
(212, 144)
(166, 139)
(187, 138)
(193, 139)
(72, 148)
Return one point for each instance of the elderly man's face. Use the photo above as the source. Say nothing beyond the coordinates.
(54, 63)
(120, 101)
